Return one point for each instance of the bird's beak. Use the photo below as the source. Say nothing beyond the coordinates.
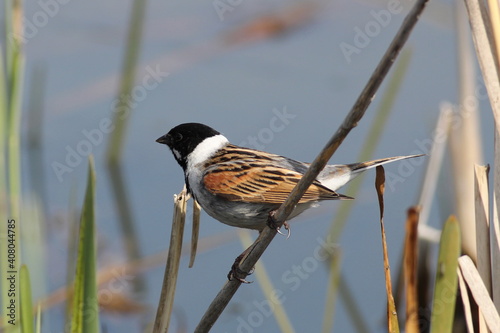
(165, 139)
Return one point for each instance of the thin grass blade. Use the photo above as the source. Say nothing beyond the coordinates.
(35, 247)
(358, 321)
(3, 131)
(128, 228)
(14, 75)
(13, 132)
(331, 293)
(124, 99)
(34, 140)
(267, 287)
(71, 259)
(4, 265)
(25, 300)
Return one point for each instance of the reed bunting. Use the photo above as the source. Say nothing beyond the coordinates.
(241, 186)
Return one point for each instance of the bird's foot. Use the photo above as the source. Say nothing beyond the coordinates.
(273, 224)
(236, 272)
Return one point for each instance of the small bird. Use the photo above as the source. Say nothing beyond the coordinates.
(241, 186)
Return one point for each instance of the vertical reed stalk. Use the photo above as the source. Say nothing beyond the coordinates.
(116, 142)
(11, 115)
(464, 139)
(122, 109)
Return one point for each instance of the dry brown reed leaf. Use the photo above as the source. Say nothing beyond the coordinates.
(392, 316)
(410, 270)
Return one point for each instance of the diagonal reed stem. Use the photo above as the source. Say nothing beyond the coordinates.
(358, 110)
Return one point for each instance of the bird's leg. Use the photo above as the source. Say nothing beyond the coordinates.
(273, 224)
(236, 272)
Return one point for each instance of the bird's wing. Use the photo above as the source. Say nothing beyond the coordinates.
(261, 183)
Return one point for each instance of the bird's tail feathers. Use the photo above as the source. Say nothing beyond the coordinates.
(336, 176)
(360, 167)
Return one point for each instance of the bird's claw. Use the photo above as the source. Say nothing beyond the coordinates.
(287, 228)
(273, 224)
(236, 272)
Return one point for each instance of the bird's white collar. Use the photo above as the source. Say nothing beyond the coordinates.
(206, 149)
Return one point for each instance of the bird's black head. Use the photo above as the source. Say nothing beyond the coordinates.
(184, 138)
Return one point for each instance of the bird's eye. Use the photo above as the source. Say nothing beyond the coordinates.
(177, 137)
